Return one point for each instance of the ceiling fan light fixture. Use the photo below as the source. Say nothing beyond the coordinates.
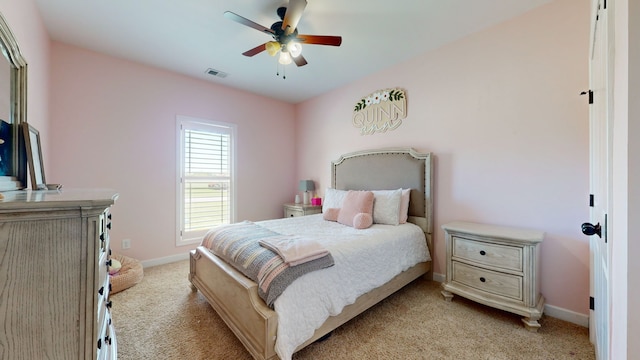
(295, 49)
(285, 58)
(272, 47)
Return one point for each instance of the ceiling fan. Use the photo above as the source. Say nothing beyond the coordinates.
(285, 34)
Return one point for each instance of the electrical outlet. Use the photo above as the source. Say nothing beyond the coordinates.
(126, 243)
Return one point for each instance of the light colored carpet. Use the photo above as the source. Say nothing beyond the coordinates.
(161, 318)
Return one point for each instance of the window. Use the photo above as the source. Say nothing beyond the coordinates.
(205, 177)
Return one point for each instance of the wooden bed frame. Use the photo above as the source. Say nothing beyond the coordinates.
(235, 297)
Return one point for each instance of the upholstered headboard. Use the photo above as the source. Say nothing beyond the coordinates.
(390, 169)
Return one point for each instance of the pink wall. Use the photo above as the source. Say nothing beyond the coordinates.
(501, 113)
(498, 109)
(115, 127)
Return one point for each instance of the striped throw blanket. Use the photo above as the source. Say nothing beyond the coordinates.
(238, 245)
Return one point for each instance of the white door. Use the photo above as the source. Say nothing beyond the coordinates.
(600, 117)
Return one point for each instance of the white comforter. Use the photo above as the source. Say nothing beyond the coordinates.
(364, 260)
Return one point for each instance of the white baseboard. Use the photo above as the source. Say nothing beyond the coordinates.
(165, 260)
(439, 277)
(566, 315)
(549, 310)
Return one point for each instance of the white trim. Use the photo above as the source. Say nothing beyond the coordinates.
(226, 127)
(439, 277)
(566, 315)
(165, 260)
(549, 310)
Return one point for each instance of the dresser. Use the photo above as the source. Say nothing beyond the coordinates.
(292, 209)
(54, 282)
(496, 266)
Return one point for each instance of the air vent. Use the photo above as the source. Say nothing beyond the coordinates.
(217, 73)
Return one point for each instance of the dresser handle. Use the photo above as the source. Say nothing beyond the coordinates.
(109, 304)
(109, 226)
(483, 279)
(107, 340)
(99, 344)
(109, 262)
(101, 291)
(483, 253)
(109, 216)
(102, 236)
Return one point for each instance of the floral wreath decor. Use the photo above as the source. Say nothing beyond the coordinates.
(380, 111)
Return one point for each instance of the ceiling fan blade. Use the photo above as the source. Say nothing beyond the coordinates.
(299, 60)
(320, 39)
(293, 15)
(256, 50)
(244, 21)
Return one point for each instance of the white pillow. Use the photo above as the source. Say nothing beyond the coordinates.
(386, 206)
(404, 205)
(333, 199)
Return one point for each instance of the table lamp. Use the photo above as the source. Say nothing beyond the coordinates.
(306, 186)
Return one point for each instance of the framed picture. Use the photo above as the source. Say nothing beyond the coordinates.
(34, 156)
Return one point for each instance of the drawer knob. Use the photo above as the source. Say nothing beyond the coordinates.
(483, 279)
(101, 291)
(109, 304)
(109, 262)
(99, 344)
(109, 226)
(483, 253)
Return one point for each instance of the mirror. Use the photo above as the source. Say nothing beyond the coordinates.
(13, 105)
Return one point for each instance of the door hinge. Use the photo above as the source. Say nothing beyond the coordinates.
(591, 303)
(591, 200)
(604, 231)
(590, 93)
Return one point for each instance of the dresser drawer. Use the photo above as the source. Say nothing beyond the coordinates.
(488, 281)
(495, 255)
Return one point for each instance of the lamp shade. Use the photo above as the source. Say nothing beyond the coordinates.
(307, 185)
(285, 58)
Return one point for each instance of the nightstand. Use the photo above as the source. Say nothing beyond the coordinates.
(496, 266)
(291, 210)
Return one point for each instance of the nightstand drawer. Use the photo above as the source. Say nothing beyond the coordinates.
(288, 212)
(293, 210)
(500, 256)
(488, 281)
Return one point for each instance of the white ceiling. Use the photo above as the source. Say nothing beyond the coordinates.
(190, 36)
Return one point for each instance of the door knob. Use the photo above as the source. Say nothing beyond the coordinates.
(590, 229)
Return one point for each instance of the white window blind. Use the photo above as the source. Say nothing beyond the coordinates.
(206, 185)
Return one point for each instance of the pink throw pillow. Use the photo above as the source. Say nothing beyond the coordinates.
(362, 220)
(331, 214)
(355, 204)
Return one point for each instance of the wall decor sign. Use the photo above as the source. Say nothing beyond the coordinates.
(380, 111)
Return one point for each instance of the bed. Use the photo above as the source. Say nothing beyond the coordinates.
(235, 297)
